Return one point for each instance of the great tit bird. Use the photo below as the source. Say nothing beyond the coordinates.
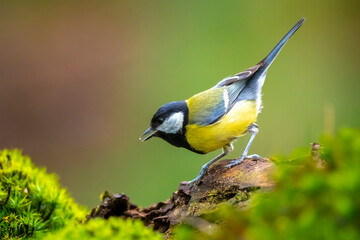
(214, 118)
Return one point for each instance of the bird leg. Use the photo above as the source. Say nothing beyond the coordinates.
(253, 129)
(226, 150)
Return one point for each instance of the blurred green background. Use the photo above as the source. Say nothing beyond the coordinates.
(81, 80)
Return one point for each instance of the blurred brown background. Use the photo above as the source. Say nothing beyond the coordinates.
(79, 82)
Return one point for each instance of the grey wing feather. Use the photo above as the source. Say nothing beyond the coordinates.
(217, 113)
(233, 85)
(233, 92)
(238, 77)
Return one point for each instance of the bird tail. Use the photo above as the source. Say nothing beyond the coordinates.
(273, 54)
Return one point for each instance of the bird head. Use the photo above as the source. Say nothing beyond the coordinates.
(170, 119)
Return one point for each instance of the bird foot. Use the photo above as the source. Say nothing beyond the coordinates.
(233, 163)
(194, 182)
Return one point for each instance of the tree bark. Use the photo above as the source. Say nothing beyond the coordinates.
(220, 184)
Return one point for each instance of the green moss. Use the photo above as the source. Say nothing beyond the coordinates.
(307, 202)
(193, 208)
(31, 200)
(213, 197)
(99, 228)
(241, 196)
(198, 208)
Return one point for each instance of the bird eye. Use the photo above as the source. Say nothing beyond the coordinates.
(160, 120)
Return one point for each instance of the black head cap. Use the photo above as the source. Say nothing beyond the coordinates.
(166, 110)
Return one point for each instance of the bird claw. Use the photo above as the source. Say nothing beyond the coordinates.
(233, 163)
(194, 182)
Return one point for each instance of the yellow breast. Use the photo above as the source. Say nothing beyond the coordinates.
(232, 125)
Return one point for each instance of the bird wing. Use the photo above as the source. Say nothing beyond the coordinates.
(210, 106)
(206, 107)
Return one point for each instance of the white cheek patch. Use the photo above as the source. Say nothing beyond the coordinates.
(172, 124)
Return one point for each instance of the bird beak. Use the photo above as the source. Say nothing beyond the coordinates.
(147, 134)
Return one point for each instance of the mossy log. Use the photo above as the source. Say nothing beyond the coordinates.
(219, 185)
